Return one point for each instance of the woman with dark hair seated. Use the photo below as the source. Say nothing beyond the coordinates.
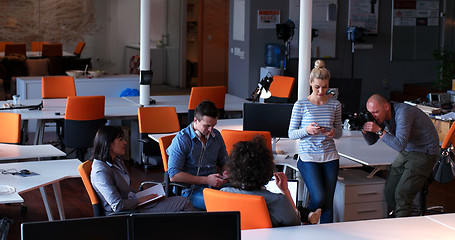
(250, 167)
(112, 183)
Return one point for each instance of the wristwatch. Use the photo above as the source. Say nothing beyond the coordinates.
(380, 132)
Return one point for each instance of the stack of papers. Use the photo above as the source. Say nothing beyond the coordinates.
(447, 116)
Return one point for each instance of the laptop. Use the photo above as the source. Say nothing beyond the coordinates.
(293, 186)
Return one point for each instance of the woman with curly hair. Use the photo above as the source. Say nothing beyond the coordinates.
(250, 167)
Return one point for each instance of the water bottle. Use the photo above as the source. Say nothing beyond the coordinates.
(272, 55)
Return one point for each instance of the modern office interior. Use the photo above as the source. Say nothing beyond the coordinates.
(401, 49)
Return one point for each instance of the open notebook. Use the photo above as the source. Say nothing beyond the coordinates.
(293, 186)
(157, 189)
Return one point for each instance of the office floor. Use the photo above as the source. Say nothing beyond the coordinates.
(77, 203)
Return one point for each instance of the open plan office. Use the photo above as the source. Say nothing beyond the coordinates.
(158, 54)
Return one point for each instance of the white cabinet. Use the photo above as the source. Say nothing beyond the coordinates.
(358, 197)
(106, 85)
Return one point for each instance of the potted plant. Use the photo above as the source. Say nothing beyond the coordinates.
(444, 69)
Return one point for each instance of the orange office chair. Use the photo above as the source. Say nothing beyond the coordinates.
(85, 169)
(38, 46)
(15, 49)
(281, 89)
(2, 45)
(52, 50)
(11, 127)
(164, 143)
(253, 209)
(216, 94)
(155, 120)
(231, 137)
(78, 50)
(57, 87)
(84, 115)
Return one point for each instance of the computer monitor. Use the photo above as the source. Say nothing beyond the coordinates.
(110, 227)
(186, 225)
(272, 117)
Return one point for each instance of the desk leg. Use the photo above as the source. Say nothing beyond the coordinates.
(134, 144)
(304, 195)
(377, 169)
(58, 198)
(24, 132)
(39, 132)
(46, 203)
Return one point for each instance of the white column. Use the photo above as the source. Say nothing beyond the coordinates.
(304, 48)
(144, 90)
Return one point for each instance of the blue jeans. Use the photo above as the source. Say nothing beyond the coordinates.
(196, 197)
(321, 180)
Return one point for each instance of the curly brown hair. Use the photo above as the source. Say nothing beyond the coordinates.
(250, 164)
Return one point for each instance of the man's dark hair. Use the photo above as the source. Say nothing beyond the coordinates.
(206, 108)
(250, 164)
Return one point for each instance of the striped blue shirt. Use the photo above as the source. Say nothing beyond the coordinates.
(319, 147)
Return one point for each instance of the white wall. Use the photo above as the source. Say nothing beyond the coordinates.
(118, 24)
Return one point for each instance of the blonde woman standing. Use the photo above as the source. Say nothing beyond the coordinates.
(316, 121)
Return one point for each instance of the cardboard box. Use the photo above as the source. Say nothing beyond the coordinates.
(442, 127)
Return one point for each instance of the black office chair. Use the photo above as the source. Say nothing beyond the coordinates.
(170, 188)
(446, 146)
(420, 201)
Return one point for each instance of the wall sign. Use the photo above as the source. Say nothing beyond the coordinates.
(268, 19)
(415, 29)
(364, 14)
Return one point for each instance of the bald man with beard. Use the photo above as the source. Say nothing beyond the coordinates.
(410, 132)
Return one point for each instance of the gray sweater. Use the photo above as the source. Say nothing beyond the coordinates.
(410, 129)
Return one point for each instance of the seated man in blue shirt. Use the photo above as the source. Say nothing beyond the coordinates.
(197, 155)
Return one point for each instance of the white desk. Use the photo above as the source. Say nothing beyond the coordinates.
(36, 54)
(392, 228)
(288, 146)
(445, 219)
(43, 173)
(106, 85)
(343, 145)
(13, 151)
(180, 102)
(354, 147)
(115, 108)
